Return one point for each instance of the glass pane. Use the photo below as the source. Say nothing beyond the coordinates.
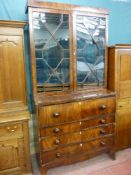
(51, 35)
(90, 50)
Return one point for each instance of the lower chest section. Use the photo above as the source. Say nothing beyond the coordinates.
(74, 129)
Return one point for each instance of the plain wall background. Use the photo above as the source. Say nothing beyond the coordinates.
(119, 18)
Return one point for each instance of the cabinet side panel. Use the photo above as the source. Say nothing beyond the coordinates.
(111, 70)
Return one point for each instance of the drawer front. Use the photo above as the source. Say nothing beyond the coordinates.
(97, 107)
(68, 151)
(55, 142)
(55, 114)
(123, 104)
(85, 135)
(60, 129)
(98, 121)
(98, 132)
(76, 126)
(10, 130)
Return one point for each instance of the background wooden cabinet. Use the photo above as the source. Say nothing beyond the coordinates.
(119, 80)
(14, 115)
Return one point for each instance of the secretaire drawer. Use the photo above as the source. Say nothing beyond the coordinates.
(76, 126)
(54, 114)
(97, 107)
(68, 151)
(8, 130)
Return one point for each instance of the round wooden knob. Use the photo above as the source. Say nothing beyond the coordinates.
(58, 155)
(56, 114)
(103, 143)
(102, 132)
(102, 121)
(56, 130)
(57, 141)
(103, 107)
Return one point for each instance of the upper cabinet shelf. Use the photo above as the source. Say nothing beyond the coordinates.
(68, 47)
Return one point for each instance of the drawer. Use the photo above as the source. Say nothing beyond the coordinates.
(8, 130)
(76, 126)
(76, 149)
(55, 142)
(97, 132)
(76, 137)
(98, 121)
(60, 129)
(97, 107)
(123, 104)
(55, 114)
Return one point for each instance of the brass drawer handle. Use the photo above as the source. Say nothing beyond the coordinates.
(58, 155)
(56, 130)
(102, 121)
(102, 143)
(103, 132)
(56, 114)
(15, 127)
(102, 107)
(11, 129)
(57, 141)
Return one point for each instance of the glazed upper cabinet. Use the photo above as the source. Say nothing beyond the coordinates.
(12, 87)
(69, 49)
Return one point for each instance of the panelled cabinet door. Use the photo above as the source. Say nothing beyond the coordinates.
(124, 69)
(12, 154)
(12, 76)
(123, 128)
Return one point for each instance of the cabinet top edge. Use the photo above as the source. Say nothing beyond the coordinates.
(121, 46)
(72, 97)
(64, 6)
(14, 116)
(16, 24)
